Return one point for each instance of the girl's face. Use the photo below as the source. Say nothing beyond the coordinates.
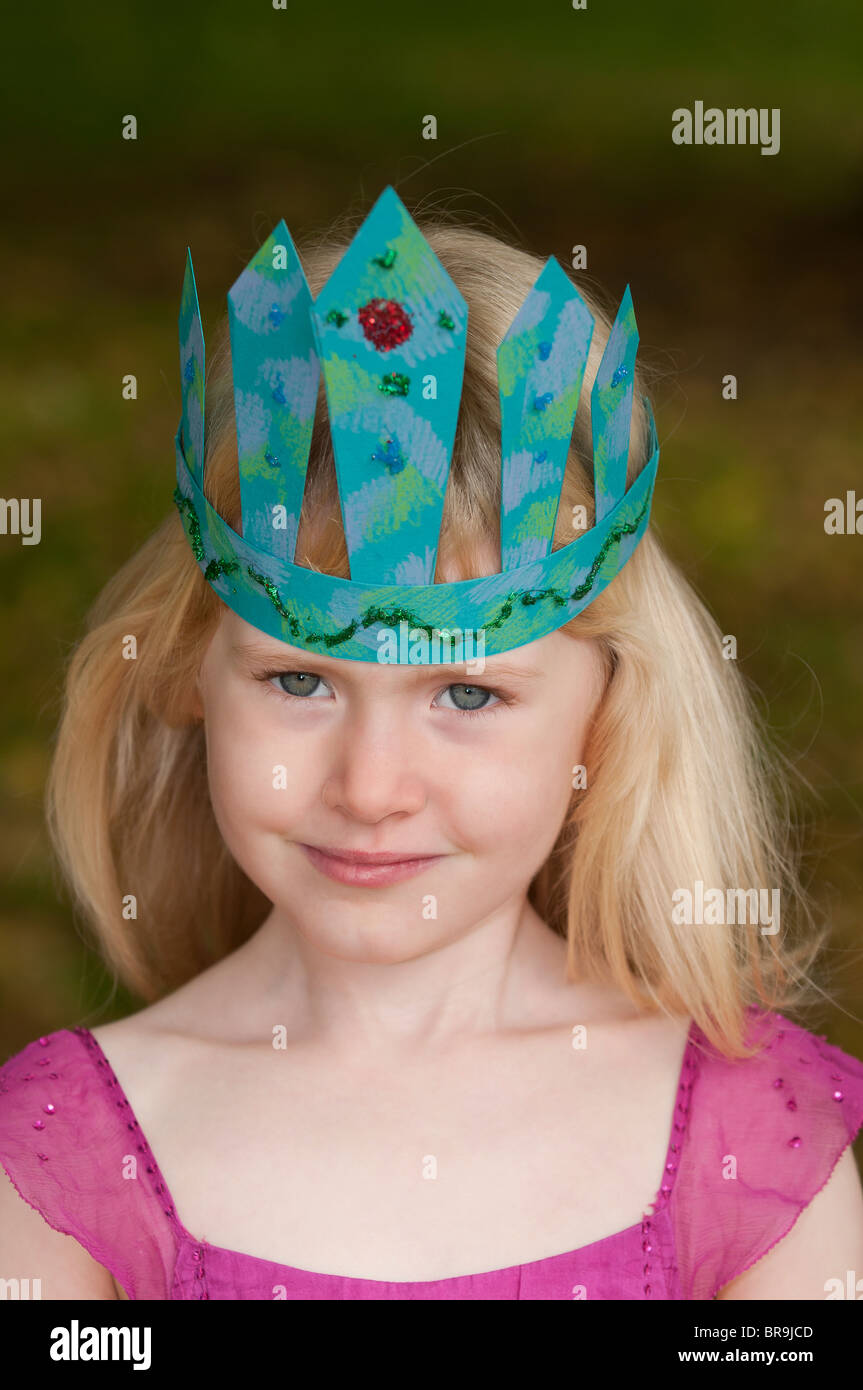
(307, 752)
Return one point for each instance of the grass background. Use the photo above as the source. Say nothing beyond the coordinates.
(555, 125)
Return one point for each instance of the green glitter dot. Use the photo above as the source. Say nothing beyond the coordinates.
(395, 384)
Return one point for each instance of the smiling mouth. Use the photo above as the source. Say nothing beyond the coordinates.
(371, 857)
(359, 868)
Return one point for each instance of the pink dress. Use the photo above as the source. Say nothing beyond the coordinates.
(67, 1134)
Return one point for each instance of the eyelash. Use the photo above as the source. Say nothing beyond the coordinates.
(269, 676)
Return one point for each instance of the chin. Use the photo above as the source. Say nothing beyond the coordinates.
(371, 941)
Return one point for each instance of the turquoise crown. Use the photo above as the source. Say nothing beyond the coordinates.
(388, 331)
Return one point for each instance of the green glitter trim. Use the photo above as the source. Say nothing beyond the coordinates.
(390, 617)
(625, 528)
(193, 529)
(217, 567)
(272, 591)
(395, 384)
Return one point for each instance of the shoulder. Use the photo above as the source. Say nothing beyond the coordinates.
(150, 1051)
(767, 1169)
(29, 1243)
(72, 1151)
(52, 1093)
(39, 1225)
(30, 1078)
(824, 1244)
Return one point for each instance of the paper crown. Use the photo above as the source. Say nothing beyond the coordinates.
(389, 330)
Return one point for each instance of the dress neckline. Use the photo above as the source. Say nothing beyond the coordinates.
(676, 1140)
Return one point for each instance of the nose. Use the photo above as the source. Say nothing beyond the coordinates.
(376, 767)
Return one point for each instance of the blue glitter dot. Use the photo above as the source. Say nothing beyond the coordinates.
(189, 369)
(540, 402)
(619, 374)
(271, 458)
(278, 394)
(540, 457)
(544, 350)
(391, 456)
(276, 314)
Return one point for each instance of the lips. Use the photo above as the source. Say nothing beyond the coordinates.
(363, 856)
(363, 868)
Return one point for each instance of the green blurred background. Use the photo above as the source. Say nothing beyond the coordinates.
(554, 125)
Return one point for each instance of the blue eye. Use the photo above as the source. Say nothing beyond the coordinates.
(477, 697)
(300, 683)
(305, 685)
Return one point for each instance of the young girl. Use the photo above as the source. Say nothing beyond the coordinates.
(424, 1019)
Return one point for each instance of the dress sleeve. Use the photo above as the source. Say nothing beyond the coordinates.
(764, 1136)
(71, 1153)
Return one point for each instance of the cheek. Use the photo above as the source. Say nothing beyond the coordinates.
(517, 794)
(256, 768)
(529, 784)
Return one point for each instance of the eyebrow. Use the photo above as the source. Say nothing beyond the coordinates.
(260, 652)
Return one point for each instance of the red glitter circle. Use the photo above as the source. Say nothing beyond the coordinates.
(385, 323)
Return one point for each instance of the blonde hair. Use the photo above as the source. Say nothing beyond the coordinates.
(683, 783)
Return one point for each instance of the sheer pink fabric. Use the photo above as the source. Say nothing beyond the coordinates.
(751, 1143)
